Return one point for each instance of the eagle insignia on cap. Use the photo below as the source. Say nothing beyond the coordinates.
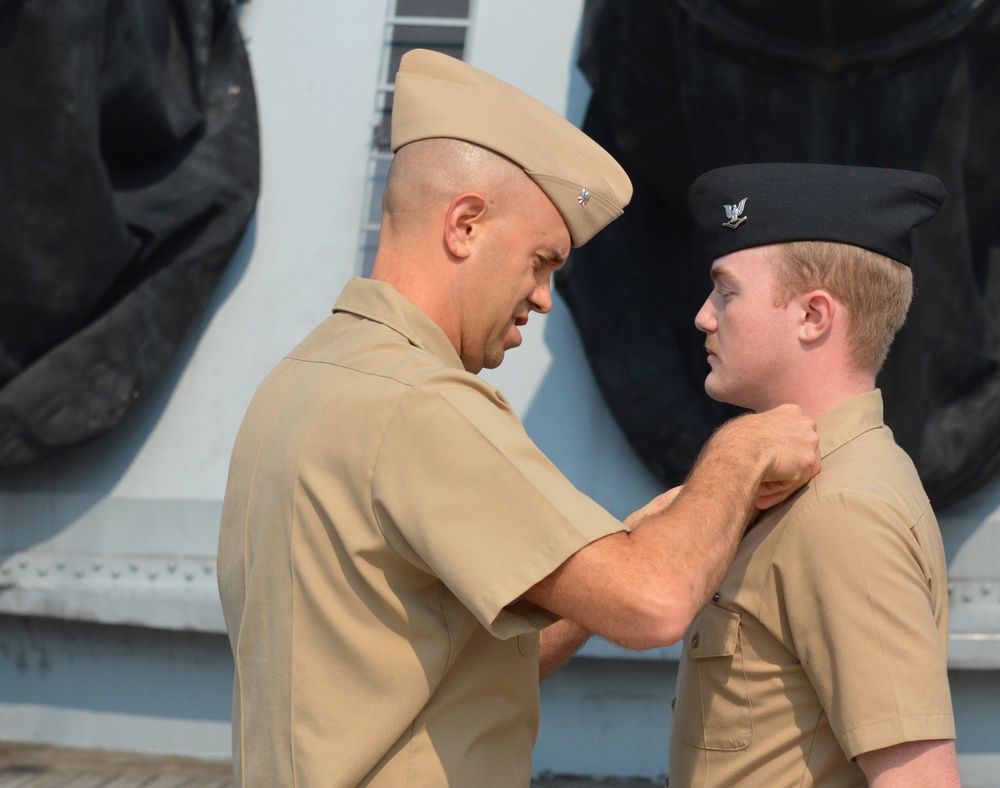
(584, 197)
(735, 215)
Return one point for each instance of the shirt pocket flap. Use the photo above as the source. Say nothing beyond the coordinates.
(714, 633)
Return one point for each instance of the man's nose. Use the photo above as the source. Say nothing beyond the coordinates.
(541, 297)
(705, 319)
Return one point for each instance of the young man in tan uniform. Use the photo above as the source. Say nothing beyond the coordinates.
(392, 542)
(821, 660)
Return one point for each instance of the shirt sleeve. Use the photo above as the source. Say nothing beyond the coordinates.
(856, 589)
(460, 485)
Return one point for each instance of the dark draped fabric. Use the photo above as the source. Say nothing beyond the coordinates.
(128, 174)
(682, 87)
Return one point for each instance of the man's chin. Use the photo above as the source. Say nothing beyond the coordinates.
(711, 389)
(719, 394)
(735, 402)
(494, 359)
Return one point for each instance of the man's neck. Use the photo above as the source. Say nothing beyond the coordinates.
(821, 395)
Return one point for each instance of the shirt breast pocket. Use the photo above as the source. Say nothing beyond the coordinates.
(713, 709)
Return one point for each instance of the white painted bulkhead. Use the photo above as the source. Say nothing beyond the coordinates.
(111, 634)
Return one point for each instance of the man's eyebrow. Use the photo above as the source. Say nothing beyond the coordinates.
(554, 256)
(719, 272)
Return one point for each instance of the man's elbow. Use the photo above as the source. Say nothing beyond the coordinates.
(654, 620)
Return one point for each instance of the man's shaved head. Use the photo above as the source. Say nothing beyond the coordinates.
(426, 175)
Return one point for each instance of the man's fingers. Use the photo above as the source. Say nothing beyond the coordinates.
(786, 443)
(773, 493)
(795, 446)
(795, 454)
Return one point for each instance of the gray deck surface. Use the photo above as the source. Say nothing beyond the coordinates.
(41, 766)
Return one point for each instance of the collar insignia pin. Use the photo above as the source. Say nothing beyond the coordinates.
(584, 197)
(735, 215)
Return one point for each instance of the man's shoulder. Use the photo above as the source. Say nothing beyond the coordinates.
(854, 503)
(348, 343)
(346, 366)
(869, 482)
(370, 360)
(870, 467)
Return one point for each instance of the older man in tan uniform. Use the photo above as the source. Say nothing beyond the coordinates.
(392, 542)
(821, 660)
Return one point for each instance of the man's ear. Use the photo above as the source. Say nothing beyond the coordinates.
(463, 223)
(818, 311)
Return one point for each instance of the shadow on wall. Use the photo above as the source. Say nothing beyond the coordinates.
(84, 476)
(131, 169)
(679, 89)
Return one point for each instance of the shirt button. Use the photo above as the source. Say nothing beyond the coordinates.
(673, 704)
(695, 640)
(716, 598)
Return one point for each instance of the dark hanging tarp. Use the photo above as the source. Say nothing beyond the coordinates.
(128, 172)
(680, 87)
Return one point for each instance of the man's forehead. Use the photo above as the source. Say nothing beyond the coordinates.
(554, 239)
(557, 244)
(728, 267)
(746, 263)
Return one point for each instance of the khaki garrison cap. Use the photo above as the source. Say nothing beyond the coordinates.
(439, 96)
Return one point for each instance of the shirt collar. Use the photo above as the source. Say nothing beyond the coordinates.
(381, 302)
(849, 420)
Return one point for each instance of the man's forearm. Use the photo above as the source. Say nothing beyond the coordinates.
(721, 495)
(642, 589)
(560, 641)
(699, 533)
(914, 764)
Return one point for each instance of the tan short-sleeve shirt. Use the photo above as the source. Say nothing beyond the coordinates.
(828, 635)
(384, 506)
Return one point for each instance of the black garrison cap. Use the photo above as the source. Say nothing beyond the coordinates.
(757, 204)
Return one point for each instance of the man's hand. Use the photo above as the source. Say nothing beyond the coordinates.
(789, 437)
